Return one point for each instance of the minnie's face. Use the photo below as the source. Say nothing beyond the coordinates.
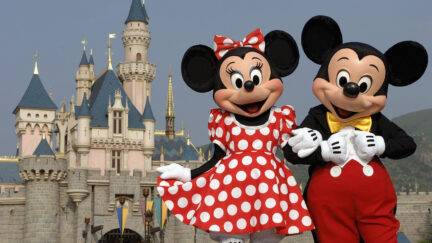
(249, 90)
(350, 91)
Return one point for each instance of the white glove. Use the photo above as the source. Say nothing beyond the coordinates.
(367, 145)
(305, 141)
(335, 148)
(175, 171)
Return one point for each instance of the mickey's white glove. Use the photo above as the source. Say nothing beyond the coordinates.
(367, 145)
(175, 171)
(305, 141)
(335, 148)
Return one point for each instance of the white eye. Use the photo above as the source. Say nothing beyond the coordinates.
(256, 76)
(237, 80)
(342, 78)
(365, 84)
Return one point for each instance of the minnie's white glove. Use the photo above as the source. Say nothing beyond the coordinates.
(335, 148)
(305, 141)
(175, 171)
(367, 145)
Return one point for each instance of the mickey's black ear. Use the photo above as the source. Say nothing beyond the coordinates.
(282, 51)
(407, 61)
(321, 35)
(198, 68)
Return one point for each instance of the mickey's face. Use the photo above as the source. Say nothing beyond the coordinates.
(249, 90)
(350, 91)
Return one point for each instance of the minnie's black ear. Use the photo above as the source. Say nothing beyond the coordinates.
(198, 68)
(321, 35)
(407, 61)
(282, 51)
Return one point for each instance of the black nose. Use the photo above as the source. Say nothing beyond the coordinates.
(351, 90)
(249, 86)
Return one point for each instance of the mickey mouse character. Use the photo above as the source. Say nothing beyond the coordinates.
(244, 191)
(350, 194)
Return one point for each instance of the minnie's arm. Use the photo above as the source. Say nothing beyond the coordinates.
(217, 155)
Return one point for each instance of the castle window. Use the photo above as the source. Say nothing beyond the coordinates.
(117, 122)
(116, 160)
(37, 115)
(28, 115)
(45, 115)
(138, 57)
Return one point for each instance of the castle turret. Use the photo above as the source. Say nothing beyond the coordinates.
(135, 72)
(170, 113)
(83, 117)
(35, 115)
(91, 68)
(41, 173)
(83, 79)
(148, 121)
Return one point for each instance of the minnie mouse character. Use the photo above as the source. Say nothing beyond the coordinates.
(244, 191)
(350, 194)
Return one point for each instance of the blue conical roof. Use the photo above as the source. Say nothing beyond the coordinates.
(189, 154)
(43, 149)
(84, 109)
(148, 113)
(84, 61)
(91, 60)
(137, 12)
(36, 96)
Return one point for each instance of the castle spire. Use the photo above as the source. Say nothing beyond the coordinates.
(110, 36)
(170, 114)
(137, 12)
(36, 71)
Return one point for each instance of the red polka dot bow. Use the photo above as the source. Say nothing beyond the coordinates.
(224, 44)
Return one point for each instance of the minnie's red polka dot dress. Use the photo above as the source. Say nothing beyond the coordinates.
(250, 189)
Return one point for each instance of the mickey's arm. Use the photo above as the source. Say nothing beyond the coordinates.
(217, 155)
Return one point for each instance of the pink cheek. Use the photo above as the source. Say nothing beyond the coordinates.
(275, 85)
(222, 95)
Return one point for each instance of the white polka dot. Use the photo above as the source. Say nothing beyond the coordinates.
(211, 117)
(285, 137)
(273, 164)
(269, 145)
(284, 205)
(196, 198)
(201, 182)
(236, 131)
(243, 144)
(236, 192)
(231, 146)
(193, 220)
(209, 200)
(291, 181)
(293, 214)
(205, 217)
(164, 183)
(247, 160)
(286, 112)
(281, 172)
(161, 191)
(265, 131)
(278, 110)
(219, 132)
(214, 228)
(284, 189)
(222, 196)
(182, 202)
(276, 134)
(218, 118)
(190, 214)
(277, 218)
(209, 132)
(187, 186)
(276, 188)
(303, 204)
(246, 207)
(173, 190)
(255, 173)
(270, 203)
(169, 204)
(179, 217)
(228, 41)
(306, 221)
(274, 150)
(289, 123)
(241, 223)
(227, 137)
(241, 176)
(273, 119)
(263, 187)
(212, 132)
(218, 213)
(222, 53)
(232, 209)
(261, 160)
(250, 190)
(257, 144)
(293, 230)
(262, 46)
(253, 221)
(227, 179)
(250, 132)
(257, 204)
(178, 183)
(293, 197)
(280, 125)
(269, 174)
(228, 226)
(264, 219)
(220, 169)
(214, 184)
(228, 120)
(253, 40)
(233, 163)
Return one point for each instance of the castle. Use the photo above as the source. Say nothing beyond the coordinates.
(75, 166)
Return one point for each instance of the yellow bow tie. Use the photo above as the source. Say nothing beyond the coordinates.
(363, 123)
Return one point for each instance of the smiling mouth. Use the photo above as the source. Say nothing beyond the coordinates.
(343, 113)
(252, 108)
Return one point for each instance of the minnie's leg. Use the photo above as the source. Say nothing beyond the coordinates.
(266, 236)
(228, 238)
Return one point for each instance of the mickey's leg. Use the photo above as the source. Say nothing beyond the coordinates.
(266, 236)
(228, 238)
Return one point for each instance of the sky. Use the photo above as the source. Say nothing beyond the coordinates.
(55, 29)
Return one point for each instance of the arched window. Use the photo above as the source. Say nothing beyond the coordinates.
(138, 57)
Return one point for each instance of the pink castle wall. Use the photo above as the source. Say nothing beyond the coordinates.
(97, 159)
(135, 161)
(30, 140)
